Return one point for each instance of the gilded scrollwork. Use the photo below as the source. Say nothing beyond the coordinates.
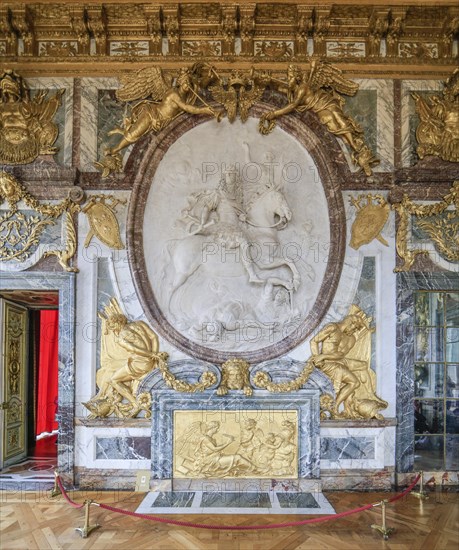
(159, 101)
(372, 214)
(438, 131)
(439, 220)
(129, 352)
(318, 91)
(26, 123)
(20, 232)
(103, 224)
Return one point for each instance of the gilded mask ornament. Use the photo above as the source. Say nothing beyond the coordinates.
(369, 220)
(438, 130)
(235, 376)
(26, 126)
(319, 91)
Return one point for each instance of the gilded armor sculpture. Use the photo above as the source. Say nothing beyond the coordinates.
(438, 131)
(129, 351)
(318, 91)
(26, 126)
(103, 224)
(159, 101)
(342, 351)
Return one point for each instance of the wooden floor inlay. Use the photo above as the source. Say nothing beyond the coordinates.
(34, 521)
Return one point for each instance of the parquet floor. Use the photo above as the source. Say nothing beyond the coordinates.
(34, 521)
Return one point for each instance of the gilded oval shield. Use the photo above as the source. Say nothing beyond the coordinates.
(368, 224)
(103, 224)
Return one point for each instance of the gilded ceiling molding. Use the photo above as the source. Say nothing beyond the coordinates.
(255, 32)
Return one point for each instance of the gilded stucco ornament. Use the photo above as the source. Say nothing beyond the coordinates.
(20, 233)
(370, 219)
(235, 376)
(440, 221)
(159, 101)
(103, 224)
(438, 130)
(129, 352)
(342, 351)
(319, 91)
(26, 126)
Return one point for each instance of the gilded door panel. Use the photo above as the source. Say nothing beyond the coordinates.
(13, 367)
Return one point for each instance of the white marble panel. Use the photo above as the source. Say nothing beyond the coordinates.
(384, 445)
(85, 447)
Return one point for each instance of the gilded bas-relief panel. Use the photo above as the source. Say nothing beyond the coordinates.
(241, 444)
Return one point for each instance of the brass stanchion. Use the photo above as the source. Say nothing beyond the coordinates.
(421, 493)
(86, 529)
(383, 529)
(56, 490)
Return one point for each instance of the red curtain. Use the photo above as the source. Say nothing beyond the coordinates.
(47, 372)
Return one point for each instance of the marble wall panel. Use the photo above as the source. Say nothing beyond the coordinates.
(98, 447)
(357, 448)
(123, 448)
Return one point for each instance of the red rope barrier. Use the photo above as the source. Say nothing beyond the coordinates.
(65, 495)
(239, 527)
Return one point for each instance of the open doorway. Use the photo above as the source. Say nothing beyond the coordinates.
(29, 372)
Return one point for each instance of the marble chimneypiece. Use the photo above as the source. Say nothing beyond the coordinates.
(164, 403)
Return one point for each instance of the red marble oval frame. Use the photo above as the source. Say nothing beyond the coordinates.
(330, 162)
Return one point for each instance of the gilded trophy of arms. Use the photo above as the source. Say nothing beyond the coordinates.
(160, 99)
(103, 224)
(27, 129)
(438, 131)
(319, 91)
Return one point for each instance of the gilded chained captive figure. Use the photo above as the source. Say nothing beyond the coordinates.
(161, 103)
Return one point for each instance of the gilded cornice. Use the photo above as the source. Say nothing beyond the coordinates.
(97, 38)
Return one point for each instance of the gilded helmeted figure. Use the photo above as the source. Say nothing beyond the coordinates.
(160, 103)
(438, 131)
(318, 91)
(342, 352)
(129, 351)
(26, 126)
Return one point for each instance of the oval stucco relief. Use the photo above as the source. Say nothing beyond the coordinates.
(234, 242)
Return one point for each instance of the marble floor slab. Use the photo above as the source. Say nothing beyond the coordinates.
(202, 502)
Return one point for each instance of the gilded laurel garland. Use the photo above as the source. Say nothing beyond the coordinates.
(263, 381)
(20, 232)
(442, 227)
(26, 126)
